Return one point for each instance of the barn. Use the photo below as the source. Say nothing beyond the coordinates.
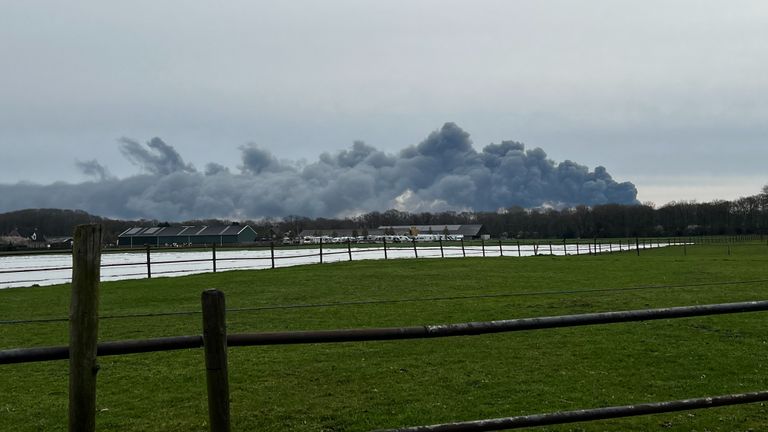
(186, 234)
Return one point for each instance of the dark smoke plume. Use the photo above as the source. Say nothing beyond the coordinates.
(443, 172)
(94, 168)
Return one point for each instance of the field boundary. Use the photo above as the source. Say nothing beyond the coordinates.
(281, 256)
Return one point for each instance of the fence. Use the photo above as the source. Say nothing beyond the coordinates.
(163, 262)
(83, 350)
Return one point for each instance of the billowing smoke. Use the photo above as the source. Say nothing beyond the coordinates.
(163, 160)
(443, 172)
(94, 168)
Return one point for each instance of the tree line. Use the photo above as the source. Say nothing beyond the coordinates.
(746, 215)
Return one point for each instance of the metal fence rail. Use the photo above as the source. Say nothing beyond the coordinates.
(564, 417)
(26, 355)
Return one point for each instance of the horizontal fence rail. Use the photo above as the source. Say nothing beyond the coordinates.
(26, 355)
(563, 417)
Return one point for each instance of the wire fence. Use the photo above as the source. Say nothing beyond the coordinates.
(47, 269)
(84, 348)
(400, 300)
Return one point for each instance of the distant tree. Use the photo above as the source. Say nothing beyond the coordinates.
(354, 233)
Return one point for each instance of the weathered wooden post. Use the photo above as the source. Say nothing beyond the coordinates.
(519, 254)
(272, 253)
(463, 252)
(501, 250)
(321, 250)
(213, 249)
(637, 245)
(149, 264)
(550, 248)
(577, 247)
(215, 344)
(482, 246)
(565, 249)
(349, 248)
(84, 327)
(442, 255)
(415, 252)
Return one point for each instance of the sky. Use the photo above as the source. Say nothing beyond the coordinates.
(671, 96)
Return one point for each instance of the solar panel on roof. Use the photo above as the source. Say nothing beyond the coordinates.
(152, 230)
(133, 231)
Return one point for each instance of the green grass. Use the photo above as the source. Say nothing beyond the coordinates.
(363, 386)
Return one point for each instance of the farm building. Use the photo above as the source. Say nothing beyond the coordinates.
(192, 235)
(63, 242)
(462, 231)
(468, 232)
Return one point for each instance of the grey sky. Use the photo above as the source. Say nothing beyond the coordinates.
(670, 95)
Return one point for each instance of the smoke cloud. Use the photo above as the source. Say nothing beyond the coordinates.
(443, 172)
(94, 168)
(163, 160)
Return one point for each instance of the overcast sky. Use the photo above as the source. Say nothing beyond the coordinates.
(669, 95)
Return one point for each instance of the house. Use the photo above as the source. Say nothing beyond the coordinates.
(186, 235)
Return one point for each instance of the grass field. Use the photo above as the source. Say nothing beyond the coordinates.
(364, 386)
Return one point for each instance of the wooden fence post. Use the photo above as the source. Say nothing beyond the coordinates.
(272, 252)
(550, 248)
(349, 248)
(385, 247)
(501, 251)
(482, 246)
(415, 252)
(321, 250)
(519, 254)
(637, 245)
(463, 252)
(442, 255)
(215, 344)
(84, 327)
(213, 249)
(149, 264)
